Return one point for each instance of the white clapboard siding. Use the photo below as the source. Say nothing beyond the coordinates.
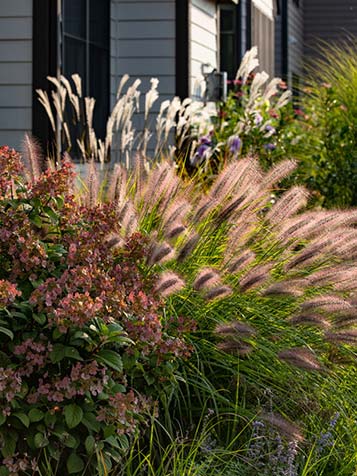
(143, 46)
(266, 7)
(15, 71)
(203, 39)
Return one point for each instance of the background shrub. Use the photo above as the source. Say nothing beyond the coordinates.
(328, 126)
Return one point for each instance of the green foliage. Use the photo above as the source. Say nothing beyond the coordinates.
(84, 349)
(328, 126)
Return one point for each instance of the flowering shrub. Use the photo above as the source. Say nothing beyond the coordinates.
(257, 119)
(84, 345)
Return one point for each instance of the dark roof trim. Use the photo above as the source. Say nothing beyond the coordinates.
(182, 48)
(45, 63)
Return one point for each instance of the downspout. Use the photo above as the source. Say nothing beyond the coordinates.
(284, 40)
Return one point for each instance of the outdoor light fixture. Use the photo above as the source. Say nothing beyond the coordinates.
(216, 84)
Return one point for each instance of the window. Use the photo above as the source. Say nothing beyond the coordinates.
(86, 52)
(228, 40)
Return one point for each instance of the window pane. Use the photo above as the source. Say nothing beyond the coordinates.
(227, 19)
(99, 22)
(99, 87)
(74, 58)
(228, 55)
(74, 13)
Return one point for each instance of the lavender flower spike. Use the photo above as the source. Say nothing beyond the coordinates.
(234, 143)
(269, 147)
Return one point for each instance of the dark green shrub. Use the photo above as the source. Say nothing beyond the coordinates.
(328, 118)
(84, 348)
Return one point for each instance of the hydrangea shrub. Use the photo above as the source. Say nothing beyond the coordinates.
(84, 344)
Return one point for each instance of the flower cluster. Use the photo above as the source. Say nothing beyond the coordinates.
(79, 320)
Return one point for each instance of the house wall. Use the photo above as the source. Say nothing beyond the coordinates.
(15, 71)
(142, 45)
(203, 34)
(328, 20)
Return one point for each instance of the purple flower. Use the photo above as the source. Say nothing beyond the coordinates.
(258, 119)
(270, 129)
(234, 144)
(201, 150)
(206, 140)
(269, 146)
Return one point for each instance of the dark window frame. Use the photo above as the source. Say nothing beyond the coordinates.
(45, 62)
(88, 42)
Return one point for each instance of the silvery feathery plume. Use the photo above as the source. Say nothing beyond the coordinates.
(74, 99)
(160, 126)
(32, 157)
(89, 104)
(290, 430)
(122, 83)
(311, 319)
(283, 99)
(169, 283)
(77, 83)
(206, 278)
(300, 357)
(255, 89)
(160, 253)
(171, 112)
(327, 303)
(151, 96)
(293, 287)
(245, 259)
(288, 204)
(218, 292)
(343, 337)
(43, 99)
(188, 247)
(82, 149)
(248, 64)
(271, 89)
(56, 100)
(255, 277)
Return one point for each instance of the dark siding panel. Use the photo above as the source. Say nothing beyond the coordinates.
(328, 20)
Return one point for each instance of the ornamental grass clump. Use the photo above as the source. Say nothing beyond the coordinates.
(258, 278)
(84, 345)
